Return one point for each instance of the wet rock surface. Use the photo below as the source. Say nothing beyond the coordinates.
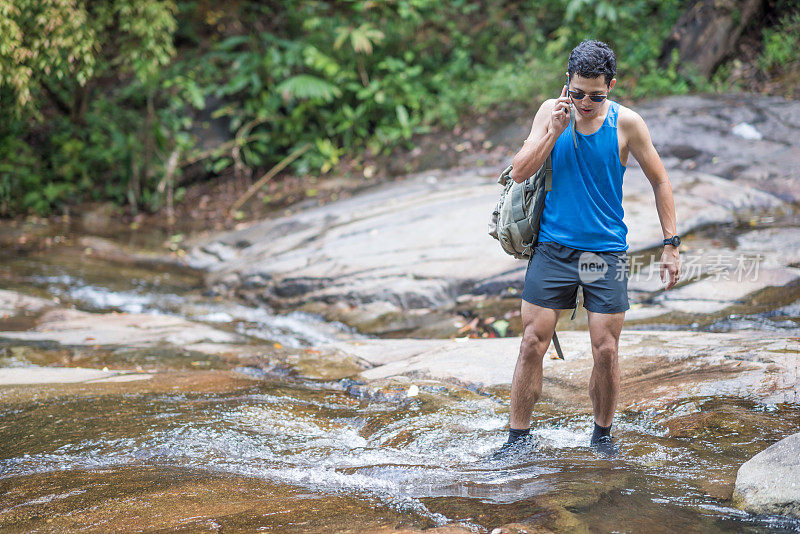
(72, 346)
(656, 365)
(239, 435)
(115, 500)
(765, 367)
(74, 327)
(12, 376)
(14, 303)
(769, 483)
(719, 275)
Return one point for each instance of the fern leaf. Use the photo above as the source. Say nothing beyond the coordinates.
(308, 86)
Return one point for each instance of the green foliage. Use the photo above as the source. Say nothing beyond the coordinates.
(781, 43)
(306, 86)
(661, 81)
(55, 46)
(353, 77)
(361, 38)
(21, 186)
(364, 75)
(64, 137)
(41, 45)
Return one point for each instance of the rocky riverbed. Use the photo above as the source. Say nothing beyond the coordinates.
(171, 422)
(241, 387)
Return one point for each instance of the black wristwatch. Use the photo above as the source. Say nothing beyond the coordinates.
(674, 240)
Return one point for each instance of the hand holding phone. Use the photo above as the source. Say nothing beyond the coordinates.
(559, 118)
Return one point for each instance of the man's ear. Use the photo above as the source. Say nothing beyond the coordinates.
(612, 83)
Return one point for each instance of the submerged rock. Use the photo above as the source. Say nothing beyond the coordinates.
(118, 253)
(769, 482)
(144, 498)
(12, 303)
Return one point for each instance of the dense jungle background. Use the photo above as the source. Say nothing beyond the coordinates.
(177, 108)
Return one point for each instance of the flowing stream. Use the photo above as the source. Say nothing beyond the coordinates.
(289, 454)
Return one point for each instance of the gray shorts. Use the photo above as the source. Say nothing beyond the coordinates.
(555, 271)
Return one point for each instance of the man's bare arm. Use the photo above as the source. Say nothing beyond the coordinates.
(536, 147)
(641, 147)
(551, 119)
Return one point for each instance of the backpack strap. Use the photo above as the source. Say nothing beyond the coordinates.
(548, 186)
(518, 203)
(558, 346)
(548, 173)
(572, 112)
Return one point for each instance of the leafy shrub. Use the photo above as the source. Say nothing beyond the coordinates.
(781, 43)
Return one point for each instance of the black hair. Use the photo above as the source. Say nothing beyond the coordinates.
(592, 59)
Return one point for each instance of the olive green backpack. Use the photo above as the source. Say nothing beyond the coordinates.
(515, 218)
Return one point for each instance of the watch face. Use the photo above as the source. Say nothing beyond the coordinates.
(676, 240)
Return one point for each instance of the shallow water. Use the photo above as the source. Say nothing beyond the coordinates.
(420, 462)
(293, 455)
(92, 284)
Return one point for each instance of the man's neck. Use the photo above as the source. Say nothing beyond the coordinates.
(593, 123)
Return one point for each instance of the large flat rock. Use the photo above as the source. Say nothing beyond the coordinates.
(683, 364)
(64, 375)
(422, 242)
(74, 327)
(769, 482)
(751, 140)
(407, 242)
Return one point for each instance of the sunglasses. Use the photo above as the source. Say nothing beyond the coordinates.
(578, 95)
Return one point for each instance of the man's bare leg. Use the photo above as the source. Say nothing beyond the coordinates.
(538, 324)
(604, 331)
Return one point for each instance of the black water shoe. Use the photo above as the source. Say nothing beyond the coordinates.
(605, 445)
(522, 445)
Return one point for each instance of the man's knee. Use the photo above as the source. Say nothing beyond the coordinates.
(534, 344)
(605, 354)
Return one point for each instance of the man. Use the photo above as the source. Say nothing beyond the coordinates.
(582, 237)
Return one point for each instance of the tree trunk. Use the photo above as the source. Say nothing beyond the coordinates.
(707, 33)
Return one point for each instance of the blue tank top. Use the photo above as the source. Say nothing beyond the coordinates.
(584, 209)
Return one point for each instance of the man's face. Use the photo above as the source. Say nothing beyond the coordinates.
(589, 86)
